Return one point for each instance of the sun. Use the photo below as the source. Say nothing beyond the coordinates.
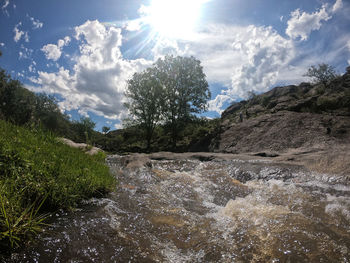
(174, 18)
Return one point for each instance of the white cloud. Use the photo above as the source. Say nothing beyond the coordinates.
(25, 53)
(218, 103)
(338, 4)
(240, 58)
(2, 44)
(53, 51)
(118, 126)
(98, 79)
(31, 68)
(20, 74)
(301, 24)
(267, 54)
(133, 25)
(5, 4)
(36, 23)
(19, 34)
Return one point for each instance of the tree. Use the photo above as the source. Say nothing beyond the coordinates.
(323, 73)
(185, 89)
(145, 101)
(105, 129)
(48, 115)
(83, 130)
(16, 102)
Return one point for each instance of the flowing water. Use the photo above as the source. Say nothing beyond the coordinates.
(204, 211)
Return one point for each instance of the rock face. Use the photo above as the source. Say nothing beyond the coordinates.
(288, 117)
(283, 130)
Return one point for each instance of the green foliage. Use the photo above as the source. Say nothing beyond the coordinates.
(83, 130)
(146, 99)
(265, 100)
(105, 129)
(327, 103)
(23, 107)
(170, 92)
(323, 73)
(38, 173)
(17, 104)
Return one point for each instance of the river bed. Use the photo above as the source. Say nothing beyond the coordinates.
(204, 210)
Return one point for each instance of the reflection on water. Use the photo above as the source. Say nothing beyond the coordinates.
(214, 211)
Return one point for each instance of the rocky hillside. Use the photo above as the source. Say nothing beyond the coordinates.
(287, 118)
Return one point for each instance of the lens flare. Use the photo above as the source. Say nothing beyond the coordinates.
(174, 18)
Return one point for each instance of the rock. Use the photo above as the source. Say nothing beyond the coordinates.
(88, 149)
(281, 131)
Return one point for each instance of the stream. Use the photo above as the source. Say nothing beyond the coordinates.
(203, 210)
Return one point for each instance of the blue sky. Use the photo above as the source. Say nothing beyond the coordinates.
(83, 51)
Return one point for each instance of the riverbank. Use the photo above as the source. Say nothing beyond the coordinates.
(39, 174)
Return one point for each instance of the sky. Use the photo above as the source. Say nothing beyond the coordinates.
(84, 51)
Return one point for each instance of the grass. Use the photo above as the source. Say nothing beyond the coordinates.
(39, 174)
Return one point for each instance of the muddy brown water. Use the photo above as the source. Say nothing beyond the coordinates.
(204, 211)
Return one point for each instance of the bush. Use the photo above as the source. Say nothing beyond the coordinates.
(326, 103)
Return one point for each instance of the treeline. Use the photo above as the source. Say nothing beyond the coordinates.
(21, 106)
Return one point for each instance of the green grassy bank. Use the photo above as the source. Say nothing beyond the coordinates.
(39, 174)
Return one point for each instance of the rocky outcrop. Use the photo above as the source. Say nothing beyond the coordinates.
(288, 117)
(281, 131)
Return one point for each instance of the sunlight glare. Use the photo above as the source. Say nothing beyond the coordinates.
(174, 18)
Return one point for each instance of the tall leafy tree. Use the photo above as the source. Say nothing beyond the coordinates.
(145, 101)
(185, 90)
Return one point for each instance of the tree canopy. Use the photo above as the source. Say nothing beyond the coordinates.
(185, 89)
(145, 100)
(170, 91)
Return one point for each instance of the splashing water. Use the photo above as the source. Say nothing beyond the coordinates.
(213, 211)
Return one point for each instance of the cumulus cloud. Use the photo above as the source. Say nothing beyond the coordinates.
(338, 4)
(301, 24)
(240, 58)
(218, 102)
(25, 53)
(35, 22)
(19, 33)
(98, 79)
(267, 54)
(53, 51)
